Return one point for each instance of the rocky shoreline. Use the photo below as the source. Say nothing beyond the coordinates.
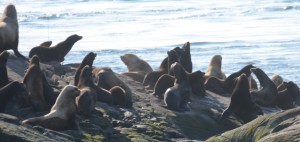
(147, 120)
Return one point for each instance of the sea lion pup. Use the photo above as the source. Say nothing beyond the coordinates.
(215, 68)
(267, 93)
(56, 53)
(61, 112)
(289, 97)
(33, 81)
(177, 97)
(166, 81)
(3, 71)
(9, 30)
(185, 59)
(7, 91)
(86, 81)
(87, 60)
(226, 86)
(108, 80)
(241, 103)
(137, 67)
(277, 79)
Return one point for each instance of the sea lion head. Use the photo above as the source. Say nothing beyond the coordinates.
(216, 61)
(186, 47)
(294, 91)
(86, 74)
(10, 11)
(34, 60)
(74, 38)
(129, 59)
(179, 72)
(247, 68)
(71, 91)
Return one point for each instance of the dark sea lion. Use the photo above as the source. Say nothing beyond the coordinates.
(87, 60)
(241, 103)
(289, 97)
(86, 81)
(137, 67)
(166, 81)
(33, 81)
(152, 77)
(61, 112)
(8, 91)
(252, 83)
(177, 97)
(185, 59)
(57, 52)
(46, 44)
(220, 86)
(108, 80)
(9, 30)
(3, 71)
(119, 95)
(214, 68)
(267, 93)
(85, 102)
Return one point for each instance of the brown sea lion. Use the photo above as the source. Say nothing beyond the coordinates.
(56, 53)
(87, 60)
(226, 86)
(277, 79)
(267, 93)
(3, 71)
(241, 103)
(185, 58)
(33, 81)
(9, 30)
(172, 58)
(86, 81)
(252, 83)
(166, 81)
(289, 97)
(108, 80)
(177, 97)
(137, 67)
(8, 91)
(61, 112)
(215, 68)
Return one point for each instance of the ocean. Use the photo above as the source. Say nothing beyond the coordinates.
(263, 33)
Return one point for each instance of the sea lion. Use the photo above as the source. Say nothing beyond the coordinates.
(177, 97)
(33, 81)
(185, 58)
(137, 67)
(56, 53)
(241, 103)
(266, 95)
(46, 44)
(61, 112)
(277, 79)
(226, 86)
(85, 102)
(86, 81)
(108, 80)
(166, 81)
(119, 95)
(9, 30)
(152, 77)
(215, 68)
(252, 83)
(289, 97)
(8, 91)
(3, 71)
(87, 60)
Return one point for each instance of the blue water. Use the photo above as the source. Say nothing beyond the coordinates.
(264, 33)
